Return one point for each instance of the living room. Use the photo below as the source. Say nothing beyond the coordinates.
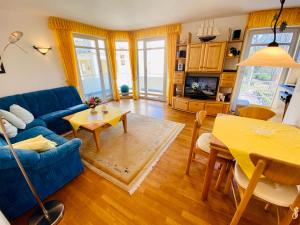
(138, 112)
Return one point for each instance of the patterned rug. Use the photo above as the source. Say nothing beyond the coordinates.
(126, 159)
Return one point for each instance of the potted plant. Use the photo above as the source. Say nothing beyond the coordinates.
(92, 102)
(124, 90)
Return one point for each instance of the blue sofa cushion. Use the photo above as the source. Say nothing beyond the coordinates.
(2, 141)
(36, 123)
(42, 102)
(77, 108)
(68, 96)
(6, 102)
(55, 115)
(30, 133)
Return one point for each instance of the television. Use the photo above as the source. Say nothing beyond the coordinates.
(201, 87)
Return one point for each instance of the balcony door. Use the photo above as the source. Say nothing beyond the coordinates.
(93, 67)
(152, 71)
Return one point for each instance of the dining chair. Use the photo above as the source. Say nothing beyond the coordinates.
(200, 144)
(272, 181)
(256, 112)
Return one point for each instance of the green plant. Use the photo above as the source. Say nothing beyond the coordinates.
(124, 88)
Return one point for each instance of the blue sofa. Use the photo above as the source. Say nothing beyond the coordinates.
(49, 170)
(48, 106)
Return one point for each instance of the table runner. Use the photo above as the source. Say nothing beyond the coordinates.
(243, 136)
(112, 117)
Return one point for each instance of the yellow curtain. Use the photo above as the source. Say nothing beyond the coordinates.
(65, 45)
(133, 62)
(171, 52)
(111, 52)
(265, 17)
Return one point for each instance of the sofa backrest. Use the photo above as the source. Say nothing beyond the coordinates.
(45, 101)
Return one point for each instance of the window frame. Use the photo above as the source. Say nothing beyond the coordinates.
(105, 97)
(245, 53)
(162, 97)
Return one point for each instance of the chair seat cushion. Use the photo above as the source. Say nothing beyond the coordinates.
(277, 194)
(55, 115)
(77, 108)
(203, 142)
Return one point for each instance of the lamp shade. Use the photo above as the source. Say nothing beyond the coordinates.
(270, 56)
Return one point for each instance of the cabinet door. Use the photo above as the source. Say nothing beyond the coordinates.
(214, 57)
(196, 106)
(181, 104)
(213, 109)
(195, 57)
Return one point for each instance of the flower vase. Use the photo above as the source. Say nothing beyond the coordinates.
(93, 110)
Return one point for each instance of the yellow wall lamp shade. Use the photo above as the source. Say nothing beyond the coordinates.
(272, 56)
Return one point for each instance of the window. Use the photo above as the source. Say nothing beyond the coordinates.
(93, 67)
(123, 64)
(152, 68)
(258, 85)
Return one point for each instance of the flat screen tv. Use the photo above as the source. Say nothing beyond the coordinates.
(201, 87)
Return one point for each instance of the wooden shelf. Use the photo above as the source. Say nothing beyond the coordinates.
(180, 58)
(236, 41)
(181, 45)
(232, 57)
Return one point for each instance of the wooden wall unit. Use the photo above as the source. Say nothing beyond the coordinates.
(193, 105)
(205, 57)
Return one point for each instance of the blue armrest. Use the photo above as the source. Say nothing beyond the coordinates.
(7, 161)
(52, 156)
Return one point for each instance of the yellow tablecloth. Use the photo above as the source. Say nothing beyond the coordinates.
(243, 136)
(86, 117)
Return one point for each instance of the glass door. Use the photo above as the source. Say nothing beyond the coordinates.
(152, 68)
(93, 67)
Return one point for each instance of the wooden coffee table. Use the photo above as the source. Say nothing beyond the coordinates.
(96, 128)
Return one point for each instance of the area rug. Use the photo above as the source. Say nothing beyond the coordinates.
(125, 159)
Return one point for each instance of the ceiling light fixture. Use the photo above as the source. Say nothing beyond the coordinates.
(273, 55)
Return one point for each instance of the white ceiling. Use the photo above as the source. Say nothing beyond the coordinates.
(135, 14)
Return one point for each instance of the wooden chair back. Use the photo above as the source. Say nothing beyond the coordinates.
(256, 112)
(200, 117)
(278, 171)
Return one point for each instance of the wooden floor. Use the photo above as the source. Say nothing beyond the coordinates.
(167, 195)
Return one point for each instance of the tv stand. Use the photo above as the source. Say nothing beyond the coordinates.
(212, 107)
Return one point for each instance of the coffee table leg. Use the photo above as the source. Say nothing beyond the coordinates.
(209, 173)
(124, 121)
(74, 133)
(96, 134)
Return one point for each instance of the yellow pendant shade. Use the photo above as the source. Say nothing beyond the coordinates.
(270, 56)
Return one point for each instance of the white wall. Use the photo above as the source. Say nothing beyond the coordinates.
(32, 71)
(223, 24)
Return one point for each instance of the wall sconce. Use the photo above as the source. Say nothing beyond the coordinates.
(42, 50)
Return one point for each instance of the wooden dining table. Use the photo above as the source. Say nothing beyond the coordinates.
(217, 147)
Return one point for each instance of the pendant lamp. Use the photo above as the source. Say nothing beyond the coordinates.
(273, 55)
